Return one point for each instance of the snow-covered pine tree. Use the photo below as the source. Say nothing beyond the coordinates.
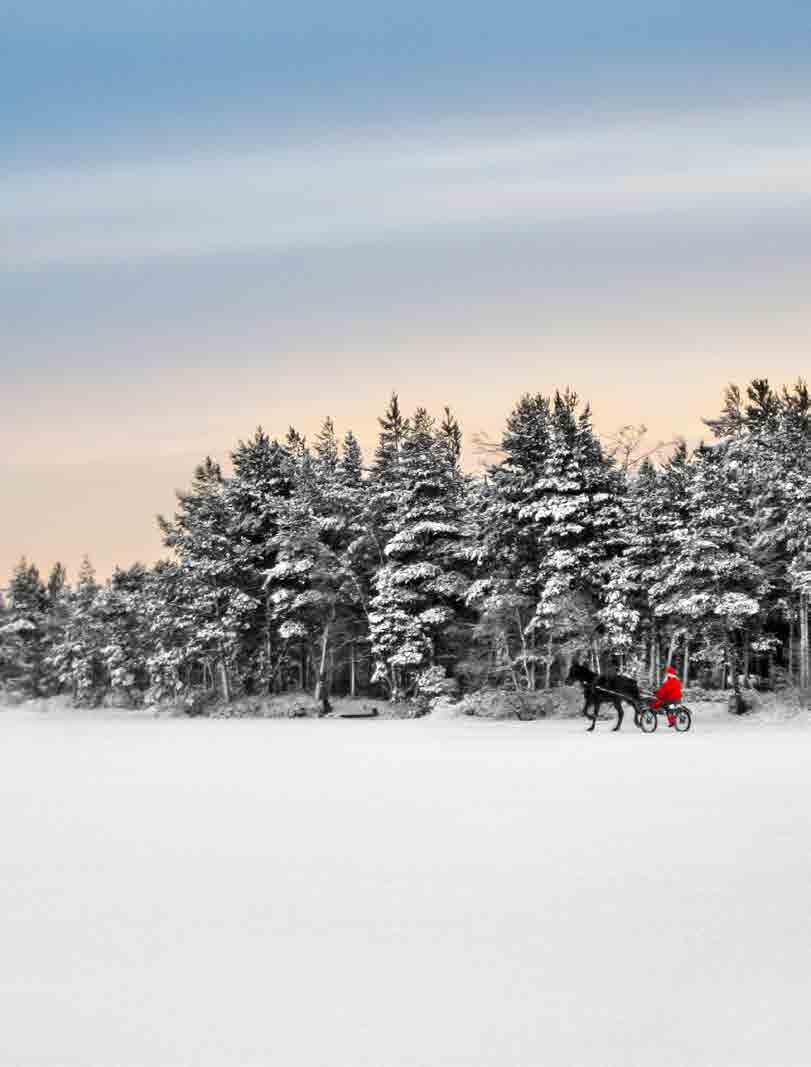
(75, 659)
(394, 431)
(119, 609)
(420, 589)
(314, 598)
(217, 609)
(362, 556)
(627, 607)
(296, 443)
(24, 631)
(784, 508)
(169, 632)
(264, 476)
(715, 579)
(57, 583)
(451, 433)
(351, 461)
(56, 622)
(507, 550)
(578, 507)
(655, 517)
(770, 433)
(674, 516)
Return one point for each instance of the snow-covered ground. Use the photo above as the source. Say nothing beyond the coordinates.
(386, 893)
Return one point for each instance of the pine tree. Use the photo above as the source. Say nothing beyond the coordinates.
(770, 435)
(326, 446)
(451, 433)
(420, 588)
(579, 512)
(655, 518)
(75, 659)
(57, 581)
(214, 605)
(56, 622)
(265, 475)
(320, 581)
(394, 431)
(508, 551)
(119, 608)
(715, 579)
(169, 630)
(23, 634)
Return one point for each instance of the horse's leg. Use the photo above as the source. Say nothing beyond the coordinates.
(586, 705)
(620, 712)
(596, 705)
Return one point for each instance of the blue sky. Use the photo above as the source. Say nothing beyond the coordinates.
(75, 75)
(215, 215)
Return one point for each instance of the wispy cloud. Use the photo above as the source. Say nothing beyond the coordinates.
(361, 190)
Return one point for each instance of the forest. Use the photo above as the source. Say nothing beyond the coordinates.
(406, 578)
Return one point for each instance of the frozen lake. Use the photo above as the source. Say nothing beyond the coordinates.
(387, 893)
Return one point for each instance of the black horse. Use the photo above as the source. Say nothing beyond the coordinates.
(611, 688)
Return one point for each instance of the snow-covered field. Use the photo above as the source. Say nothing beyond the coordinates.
(386, 893)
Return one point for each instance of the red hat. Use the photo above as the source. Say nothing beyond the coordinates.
(670, 670)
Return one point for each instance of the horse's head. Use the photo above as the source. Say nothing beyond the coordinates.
(580, 673)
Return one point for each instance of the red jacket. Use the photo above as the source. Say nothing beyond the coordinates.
(668, 693)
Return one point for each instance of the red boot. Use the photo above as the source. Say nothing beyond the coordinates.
(671, 719)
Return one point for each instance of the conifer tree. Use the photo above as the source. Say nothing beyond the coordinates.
(326, 447)
(119, 607)
(579, 512)
(24, 631)
(715, 578)
(320, 580)
(508, 549)
(769, 433)
(75, 659)
(214, 604)
(655, 518)
(394, 431)
(265, 474)
(57, 619)
(420, 588)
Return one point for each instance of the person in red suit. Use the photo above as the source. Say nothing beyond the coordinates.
(669, 692)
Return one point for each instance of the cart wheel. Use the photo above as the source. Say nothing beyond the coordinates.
(683, 720)
(648, 721)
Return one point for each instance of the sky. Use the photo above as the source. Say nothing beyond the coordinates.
(215, 216)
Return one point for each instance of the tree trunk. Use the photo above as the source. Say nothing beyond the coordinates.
(352, 668)
(321, 683)
(523, 637)
(505, 648)
(746, 683)
(671, 648)
(567, 663)
(653, 673)
(226, 685)
(732, 661)
(548, 679)
(805, 666)
(686, 677)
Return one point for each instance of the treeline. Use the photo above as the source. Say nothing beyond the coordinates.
(304, 568)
